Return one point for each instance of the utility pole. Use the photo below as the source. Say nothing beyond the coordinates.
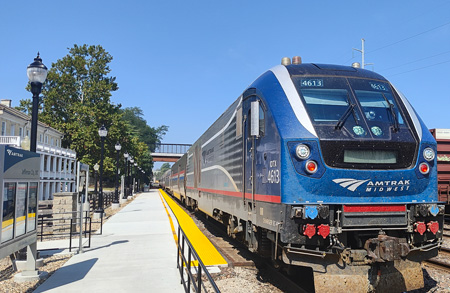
(362, 51)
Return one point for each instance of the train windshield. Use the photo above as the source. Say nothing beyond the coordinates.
(357, 108)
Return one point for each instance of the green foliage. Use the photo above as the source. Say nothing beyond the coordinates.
(25, 106)
(162, 170)
(148, 135)
(76, 101)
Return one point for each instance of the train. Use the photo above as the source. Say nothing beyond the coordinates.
(325, 167)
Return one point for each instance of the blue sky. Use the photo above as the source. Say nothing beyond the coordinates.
(184, 62)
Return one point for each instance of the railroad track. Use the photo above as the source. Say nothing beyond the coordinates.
(439, 263)
(268, 271)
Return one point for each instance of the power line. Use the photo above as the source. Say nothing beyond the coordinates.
(415, 61)
(427, 31)
(421, 68)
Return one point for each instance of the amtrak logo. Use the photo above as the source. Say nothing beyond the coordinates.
(14, 154)
(349, 183)
(374, 186)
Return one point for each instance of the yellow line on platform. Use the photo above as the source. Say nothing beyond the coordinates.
(204, 248)
(175, 237)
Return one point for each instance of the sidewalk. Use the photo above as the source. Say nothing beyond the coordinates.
(136, 253)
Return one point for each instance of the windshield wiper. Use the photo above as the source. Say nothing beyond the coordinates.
(341, 121)
(396, 126)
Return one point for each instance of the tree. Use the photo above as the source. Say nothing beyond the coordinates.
(76, 101)
(159, 173)
(149, 135)
(25, 106)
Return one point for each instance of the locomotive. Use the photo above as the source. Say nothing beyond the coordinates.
(322, 166)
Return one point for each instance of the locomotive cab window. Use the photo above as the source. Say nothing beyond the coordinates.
(360, 122)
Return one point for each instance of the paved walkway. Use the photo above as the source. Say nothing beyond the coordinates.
(136, 253)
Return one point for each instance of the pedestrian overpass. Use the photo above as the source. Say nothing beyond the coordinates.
(169, 152)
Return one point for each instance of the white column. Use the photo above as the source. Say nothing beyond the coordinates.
(41, 190)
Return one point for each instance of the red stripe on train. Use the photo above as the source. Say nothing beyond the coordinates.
(259, 197)
(373, 208)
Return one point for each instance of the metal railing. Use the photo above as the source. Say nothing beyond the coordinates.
(10, 140)
(64, 227)
(171, 148)
(195, 281)
(108, 197)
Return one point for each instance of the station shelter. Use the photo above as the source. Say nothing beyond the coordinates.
(19, 180)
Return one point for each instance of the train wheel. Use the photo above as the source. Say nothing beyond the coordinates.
(230, 227)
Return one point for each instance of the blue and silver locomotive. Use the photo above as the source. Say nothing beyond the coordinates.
(322, 166)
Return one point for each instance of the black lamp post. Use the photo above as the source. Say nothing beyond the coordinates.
(125, 194)
(116, 197)
(102, 132)
(131, 176)
(135, 178)
(37, 73)
(96, 166)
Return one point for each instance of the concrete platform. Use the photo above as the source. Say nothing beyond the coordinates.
(136, 253)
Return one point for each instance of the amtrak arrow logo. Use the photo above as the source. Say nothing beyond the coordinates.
(349, 183)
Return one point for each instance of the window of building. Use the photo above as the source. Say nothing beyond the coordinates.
(40, 137)
(13, 129)
(21, 131)
(53, 141)
(46, 139)
(3, 128)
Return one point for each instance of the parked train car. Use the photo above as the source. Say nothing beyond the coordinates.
(442, 137)
(323, 166)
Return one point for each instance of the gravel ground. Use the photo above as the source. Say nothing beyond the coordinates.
(229, 280)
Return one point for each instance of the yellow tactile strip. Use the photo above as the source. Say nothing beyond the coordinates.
(204, 248)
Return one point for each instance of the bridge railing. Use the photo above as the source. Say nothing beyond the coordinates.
(171, 148)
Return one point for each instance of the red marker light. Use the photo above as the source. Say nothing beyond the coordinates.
(424, 168)
(420, 227)
(323, 230)
(311, 167)
(309, 230)
(433, 227)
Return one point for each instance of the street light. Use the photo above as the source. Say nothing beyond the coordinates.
(125, 194)
(96, 166)
(102, 132)
(118, 147)
(135, 175)
(37, 73)
(131, 175)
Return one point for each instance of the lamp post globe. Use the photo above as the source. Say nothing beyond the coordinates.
(118, 147)
(37, 73)
(102, 133)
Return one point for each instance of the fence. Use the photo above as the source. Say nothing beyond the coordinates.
(197, 280)
(64, 227)
(108, 198)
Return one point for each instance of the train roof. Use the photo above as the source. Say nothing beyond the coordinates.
(331, 69)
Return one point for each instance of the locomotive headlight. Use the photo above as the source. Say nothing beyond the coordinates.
(302, 151)
(428, 154)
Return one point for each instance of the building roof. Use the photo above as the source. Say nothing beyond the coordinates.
(22, 115)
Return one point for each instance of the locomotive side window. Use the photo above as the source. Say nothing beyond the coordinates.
(239, 123)
(262, 121)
